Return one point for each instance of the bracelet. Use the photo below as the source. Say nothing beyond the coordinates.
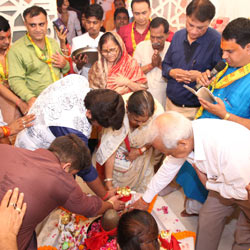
(105, 196)
(64, 50)
(227, 116)
(111, 202)
(6, 131)
(108, 179)
(142, 150)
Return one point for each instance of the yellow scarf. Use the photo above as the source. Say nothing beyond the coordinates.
(225, 81)
(43, 57)
(4, 75)
(147, 37)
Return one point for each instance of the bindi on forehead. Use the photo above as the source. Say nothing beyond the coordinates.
(5, 34)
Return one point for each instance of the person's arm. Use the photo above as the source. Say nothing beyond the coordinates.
(90, 176)
(114, 203)
(62, 35)
(219, 110)
(160, 180)
(156, 61)
(89, 205)
(17, 126)
(232, 176)
(169, 71)
(228, 190)
(147, 68)
(109, 167)
(81, 60)
(17, 76)
(5, 92)
(59, 60)
(167, 64)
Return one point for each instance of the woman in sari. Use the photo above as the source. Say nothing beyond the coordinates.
(127, 158)
(115, 68)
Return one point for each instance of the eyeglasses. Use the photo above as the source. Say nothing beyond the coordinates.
(110, 51)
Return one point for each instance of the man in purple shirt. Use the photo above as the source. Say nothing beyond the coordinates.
(46, 179)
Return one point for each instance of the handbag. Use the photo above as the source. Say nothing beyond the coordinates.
(121, 164)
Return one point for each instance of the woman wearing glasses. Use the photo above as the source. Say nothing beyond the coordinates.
(115, 69)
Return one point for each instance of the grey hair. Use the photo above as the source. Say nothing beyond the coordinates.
(176, 127)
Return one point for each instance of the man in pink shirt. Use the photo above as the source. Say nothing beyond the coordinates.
(45, 177)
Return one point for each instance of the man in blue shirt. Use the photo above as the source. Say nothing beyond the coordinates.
(232, 89)
(192, 51)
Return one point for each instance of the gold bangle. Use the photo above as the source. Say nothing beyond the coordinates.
(227, 116)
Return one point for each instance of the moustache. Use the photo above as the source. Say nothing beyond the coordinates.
(156, 45)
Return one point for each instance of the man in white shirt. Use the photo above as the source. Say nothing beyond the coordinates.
(94, 22)
(149, 55)
(220, 153)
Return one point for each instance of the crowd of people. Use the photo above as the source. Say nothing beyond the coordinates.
(149, 130)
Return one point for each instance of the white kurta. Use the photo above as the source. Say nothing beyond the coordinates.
(157, 85)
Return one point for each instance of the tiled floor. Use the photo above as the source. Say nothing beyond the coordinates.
(176, 200)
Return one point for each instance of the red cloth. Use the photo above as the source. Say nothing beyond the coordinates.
(172, 245)
(170, 36)
(69, 59)
(98, 240)
(125, 33)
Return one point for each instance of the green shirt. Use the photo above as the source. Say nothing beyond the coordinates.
(28, 75)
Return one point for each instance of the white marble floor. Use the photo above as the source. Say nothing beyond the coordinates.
(176, 200)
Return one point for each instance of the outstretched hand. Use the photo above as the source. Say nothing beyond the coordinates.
(139, 204)
(21, 123)
(12, 210)
(117, 204)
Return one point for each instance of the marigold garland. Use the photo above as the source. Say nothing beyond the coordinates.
(151, 205)
(47, 248)
(78, 216)
(184, 234)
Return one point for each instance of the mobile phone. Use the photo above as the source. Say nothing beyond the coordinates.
(58, 23)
